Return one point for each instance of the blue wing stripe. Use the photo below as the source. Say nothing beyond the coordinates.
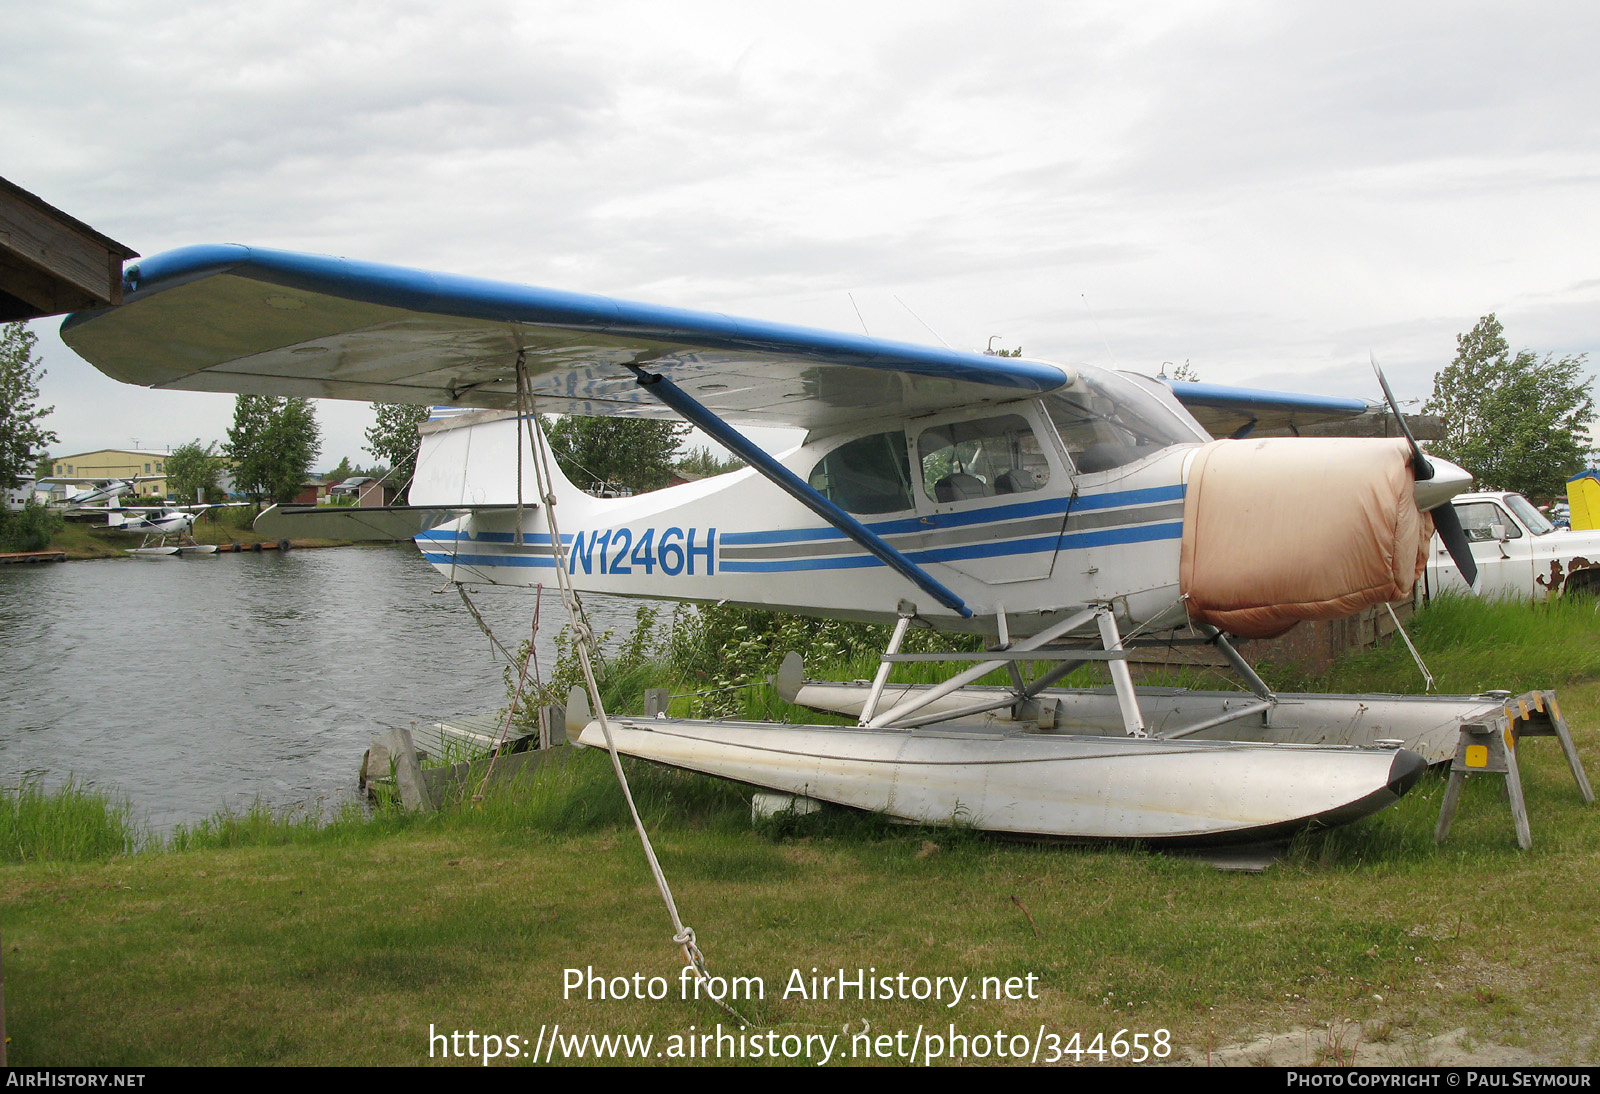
(1246, 399)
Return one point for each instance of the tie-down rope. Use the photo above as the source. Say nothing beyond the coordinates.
(583, 642)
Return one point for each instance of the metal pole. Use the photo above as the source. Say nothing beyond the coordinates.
(1240, 665)
(1121, 678)
(796, 487)
(963, 712)
(1221, 719)
(884, 665)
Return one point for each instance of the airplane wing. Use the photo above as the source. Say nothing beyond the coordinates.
(86, 514)
(241, 319)
(1242, 411)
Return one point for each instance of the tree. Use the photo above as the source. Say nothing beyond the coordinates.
(296, 439)
(628, 453)
(273, 443)
(23, 438)
(191, 469)
(393, 439)
(705, 463)
(252, 414)
(1518, 423)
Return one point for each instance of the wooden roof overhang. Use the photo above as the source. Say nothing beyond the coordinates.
(51, 263)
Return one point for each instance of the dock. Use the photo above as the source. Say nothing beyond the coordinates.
(457, 754)
(32, 556)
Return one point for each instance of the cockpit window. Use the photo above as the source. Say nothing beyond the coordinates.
(866, 475)
(981, 459)
(1106, 421)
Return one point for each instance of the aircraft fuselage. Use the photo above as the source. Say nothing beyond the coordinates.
(990, 501)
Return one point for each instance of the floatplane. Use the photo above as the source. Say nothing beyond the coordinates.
(100, 502)
(1068, 512)
(91, 501)
(158, 524)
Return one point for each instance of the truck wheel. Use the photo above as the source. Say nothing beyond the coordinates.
(1583, 585)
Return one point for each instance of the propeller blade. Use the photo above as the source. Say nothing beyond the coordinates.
(1419, 463)
(1448, 525)
(1445, 520)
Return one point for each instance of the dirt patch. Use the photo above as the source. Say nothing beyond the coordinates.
(1348, 1044)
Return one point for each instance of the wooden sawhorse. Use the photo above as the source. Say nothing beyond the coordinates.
(1491, 748)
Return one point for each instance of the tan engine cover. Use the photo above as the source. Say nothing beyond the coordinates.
(1284, 529)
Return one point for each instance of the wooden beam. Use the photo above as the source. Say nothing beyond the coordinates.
(52, 263)
(45, 294)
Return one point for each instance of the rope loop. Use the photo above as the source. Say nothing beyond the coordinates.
(691, 951)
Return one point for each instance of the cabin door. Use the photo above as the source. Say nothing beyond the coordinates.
(992, 494)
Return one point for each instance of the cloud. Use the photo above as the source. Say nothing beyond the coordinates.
(1267, 190)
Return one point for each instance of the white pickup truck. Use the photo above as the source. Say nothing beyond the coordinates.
(1520, 554)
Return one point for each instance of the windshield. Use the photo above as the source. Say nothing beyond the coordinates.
(1536, 521)
(1106, 420)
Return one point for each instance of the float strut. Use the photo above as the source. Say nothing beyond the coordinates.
(1240, 665)
(883, 668)
(1121, 678)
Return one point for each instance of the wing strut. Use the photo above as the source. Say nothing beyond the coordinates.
(795, 487)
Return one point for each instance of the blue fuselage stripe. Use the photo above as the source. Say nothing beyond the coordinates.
(1110, 500)
(1128, 533)
(441, 559)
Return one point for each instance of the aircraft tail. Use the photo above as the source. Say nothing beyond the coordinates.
(462, 461)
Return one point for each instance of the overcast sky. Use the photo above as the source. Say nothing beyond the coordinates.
(1266, 190)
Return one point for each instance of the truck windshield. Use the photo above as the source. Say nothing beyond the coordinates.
(1536, 521)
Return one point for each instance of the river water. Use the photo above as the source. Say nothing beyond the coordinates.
(189, 685)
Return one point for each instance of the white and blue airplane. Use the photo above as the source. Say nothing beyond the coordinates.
(1058, 508)
(95, 496)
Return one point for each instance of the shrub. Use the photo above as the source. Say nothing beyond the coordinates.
(30, 528)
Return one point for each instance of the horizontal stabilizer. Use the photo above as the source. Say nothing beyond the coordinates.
(372, 522)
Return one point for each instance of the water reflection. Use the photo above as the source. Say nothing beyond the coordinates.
(190, 684)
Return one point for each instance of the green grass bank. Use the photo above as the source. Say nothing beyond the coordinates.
(278, 939)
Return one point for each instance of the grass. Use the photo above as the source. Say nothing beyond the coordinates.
(299, 939)
(95, 541)
(69, 824)
(1473, 645)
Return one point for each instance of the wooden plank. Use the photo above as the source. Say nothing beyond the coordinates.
(32, 235)
(33, 556)
(37, 292)
(407, 771)
(52, 262)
